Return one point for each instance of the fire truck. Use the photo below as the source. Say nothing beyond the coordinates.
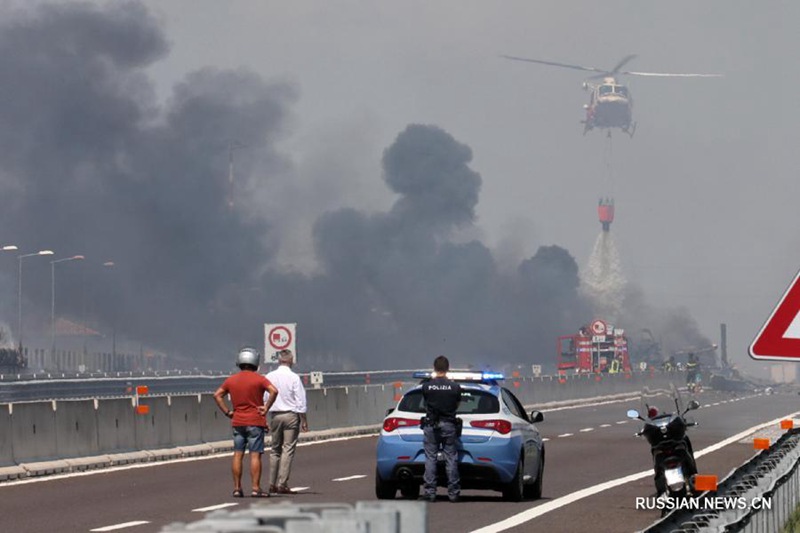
(598, 347)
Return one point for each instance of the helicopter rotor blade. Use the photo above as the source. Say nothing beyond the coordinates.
(622, 63)
(670, 74)
(556, 64)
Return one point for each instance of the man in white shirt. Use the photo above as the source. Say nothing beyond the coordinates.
(286, 418)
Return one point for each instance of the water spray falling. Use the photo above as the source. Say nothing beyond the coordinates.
(602, 280)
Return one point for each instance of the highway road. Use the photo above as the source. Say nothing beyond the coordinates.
(586, 447)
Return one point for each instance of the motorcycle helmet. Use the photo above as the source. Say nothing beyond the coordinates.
(248, 356)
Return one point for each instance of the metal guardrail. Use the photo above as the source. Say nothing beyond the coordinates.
(759, 496)
(61, 386)
(364, 517)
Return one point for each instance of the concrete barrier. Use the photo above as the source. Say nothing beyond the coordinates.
(6, 442)
(316, 401)
(153, 429)
(184, 416)
(190, 425)
(76, 428)
(214, 426)
(115, 426)
(33, 431)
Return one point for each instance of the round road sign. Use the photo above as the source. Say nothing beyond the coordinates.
(598, 327)
(280, 337)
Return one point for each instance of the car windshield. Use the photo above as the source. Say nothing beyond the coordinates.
(473, 402)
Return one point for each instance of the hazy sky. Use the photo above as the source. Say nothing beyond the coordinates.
(705, 192)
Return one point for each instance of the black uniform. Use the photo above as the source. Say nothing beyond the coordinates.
(442, 397)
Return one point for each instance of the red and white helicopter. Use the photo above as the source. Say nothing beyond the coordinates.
(611, 103)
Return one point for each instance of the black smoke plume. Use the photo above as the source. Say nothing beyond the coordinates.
(92, 163)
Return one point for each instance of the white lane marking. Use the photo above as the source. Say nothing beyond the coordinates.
(605, 425)
(121, 526)
(584, 430)
(299, 489)
(348, 478)
(213, 507)
(565, 435)
(552, 505)
(544, 409)
(545, 439)
(622, 422)
(707, 405)
(209, 457)
(715, 403)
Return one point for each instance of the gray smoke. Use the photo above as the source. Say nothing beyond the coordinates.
(397, 289)
(93, 166)
(91, 163)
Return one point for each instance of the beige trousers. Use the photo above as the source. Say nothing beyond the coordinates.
(284, 429)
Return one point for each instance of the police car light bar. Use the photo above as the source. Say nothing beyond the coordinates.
(464, 376)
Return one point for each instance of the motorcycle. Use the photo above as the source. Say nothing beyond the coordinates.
(673, 458)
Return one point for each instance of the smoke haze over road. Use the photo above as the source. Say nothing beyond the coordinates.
(399, 200)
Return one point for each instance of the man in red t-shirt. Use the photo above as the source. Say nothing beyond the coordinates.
(248, 417)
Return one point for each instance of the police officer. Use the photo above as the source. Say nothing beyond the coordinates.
(442, 397)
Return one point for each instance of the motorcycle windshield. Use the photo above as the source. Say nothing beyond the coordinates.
(660, 402)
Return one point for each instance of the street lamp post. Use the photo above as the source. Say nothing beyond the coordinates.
(19, 293)
(53, 301)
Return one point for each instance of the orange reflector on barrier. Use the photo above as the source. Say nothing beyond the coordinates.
(705, 482)
(598, 377)
(760, 444)
(142, 389)
(515, 374)
(562, 380)
(516, 384)
(787, 424)
(142, 409)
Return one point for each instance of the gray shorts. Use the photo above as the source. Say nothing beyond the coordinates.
(248, 437)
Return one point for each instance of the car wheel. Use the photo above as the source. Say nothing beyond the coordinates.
(409, 491)
(513, 490)
(384, 490)
(535, 491)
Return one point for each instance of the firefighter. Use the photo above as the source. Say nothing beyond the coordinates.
(616, 365)
(669, 364)
(440, 427)
(692, 369)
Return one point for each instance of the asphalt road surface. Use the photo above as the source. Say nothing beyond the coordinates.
(586, 446)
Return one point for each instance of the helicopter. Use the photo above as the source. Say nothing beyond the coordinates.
(611, 102)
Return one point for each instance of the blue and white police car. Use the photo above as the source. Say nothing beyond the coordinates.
(500, 447)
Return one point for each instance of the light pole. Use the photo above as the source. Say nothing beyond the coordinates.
(19, 293)
(53, 301)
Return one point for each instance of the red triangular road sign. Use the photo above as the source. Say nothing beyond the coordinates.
(775, 341)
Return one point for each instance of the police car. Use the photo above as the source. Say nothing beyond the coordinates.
(499, 449)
